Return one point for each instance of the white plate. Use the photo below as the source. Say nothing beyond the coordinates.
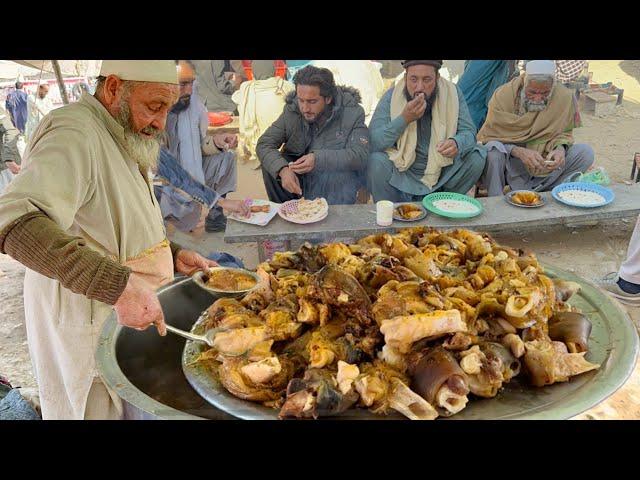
(292, 205)
(259, 218)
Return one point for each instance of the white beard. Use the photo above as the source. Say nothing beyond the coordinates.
(143, 151)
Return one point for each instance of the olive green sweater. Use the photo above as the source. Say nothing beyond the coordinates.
(41, 245)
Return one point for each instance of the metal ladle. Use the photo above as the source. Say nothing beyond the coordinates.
(206, 338)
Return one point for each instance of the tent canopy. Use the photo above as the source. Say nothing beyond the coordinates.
(74, 68)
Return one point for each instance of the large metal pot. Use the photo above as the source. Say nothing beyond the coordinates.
(145, 369)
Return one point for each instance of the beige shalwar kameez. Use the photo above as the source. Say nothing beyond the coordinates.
(77, 172)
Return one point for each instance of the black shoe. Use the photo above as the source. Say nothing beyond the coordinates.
(217, 225)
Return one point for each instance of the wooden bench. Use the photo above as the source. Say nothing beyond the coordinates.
(354, 221)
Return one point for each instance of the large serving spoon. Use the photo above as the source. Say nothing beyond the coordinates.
(206, 338)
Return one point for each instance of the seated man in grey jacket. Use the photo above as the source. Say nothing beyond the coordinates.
(326, 142)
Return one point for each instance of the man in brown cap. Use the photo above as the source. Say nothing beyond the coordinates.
(423, 139)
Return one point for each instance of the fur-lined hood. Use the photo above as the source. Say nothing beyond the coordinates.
(345, 97)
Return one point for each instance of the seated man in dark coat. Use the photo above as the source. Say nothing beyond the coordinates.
(326, 142)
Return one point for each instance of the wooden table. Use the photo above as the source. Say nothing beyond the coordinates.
(354, 221)
(359, 220)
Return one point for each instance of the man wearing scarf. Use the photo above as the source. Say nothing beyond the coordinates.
(422, 138)
(529, 133)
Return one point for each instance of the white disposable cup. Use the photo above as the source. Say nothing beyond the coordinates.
(384, 213)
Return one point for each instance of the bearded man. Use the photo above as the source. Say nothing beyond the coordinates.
(187, 141)
(422, 138)
(83, 219)
(318, 146)
(529, 133)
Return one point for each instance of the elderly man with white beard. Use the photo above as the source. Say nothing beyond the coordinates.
(529, 133)
(83, 219)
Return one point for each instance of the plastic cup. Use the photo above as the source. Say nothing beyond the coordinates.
(384, 213)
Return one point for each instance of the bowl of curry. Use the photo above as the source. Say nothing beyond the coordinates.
(226, 282)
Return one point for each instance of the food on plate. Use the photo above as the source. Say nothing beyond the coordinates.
(408, 211)
(581, 197)
(230, 280)
(455, 206)
(260, 208)
(526, 198)
(420, 323)
(303, 209)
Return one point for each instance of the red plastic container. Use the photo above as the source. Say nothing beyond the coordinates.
(280, 66)
(217, 119)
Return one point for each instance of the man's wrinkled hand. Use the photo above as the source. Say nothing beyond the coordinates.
(290, 181)
(532, 160)
(188, 262)
(13, 167)
(138, 307)
(414, 109)
(225, 141)
(556, 159)
(238, 207)
(448, 148)
(304, 164)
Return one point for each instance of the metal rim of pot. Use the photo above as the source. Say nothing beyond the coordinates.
(116, 380)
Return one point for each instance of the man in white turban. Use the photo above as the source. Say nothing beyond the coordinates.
(83, 219)
(529, 133)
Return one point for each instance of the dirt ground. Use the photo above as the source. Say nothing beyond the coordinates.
(588, 251)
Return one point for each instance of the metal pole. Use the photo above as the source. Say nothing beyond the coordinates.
(63, 91)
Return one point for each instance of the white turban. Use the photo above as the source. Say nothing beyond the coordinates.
(541, 67)
(160, 71)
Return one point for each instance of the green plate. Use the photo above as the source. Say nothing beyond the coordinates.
(433, 197)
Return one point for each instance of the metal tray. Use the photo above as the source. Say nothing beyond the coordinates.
(509, 198)
(613, 344)
(198, 278)
(401, 219)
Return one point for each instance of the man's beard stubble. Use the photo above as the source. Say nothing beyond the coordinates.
(182, 104)
(143, 151)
